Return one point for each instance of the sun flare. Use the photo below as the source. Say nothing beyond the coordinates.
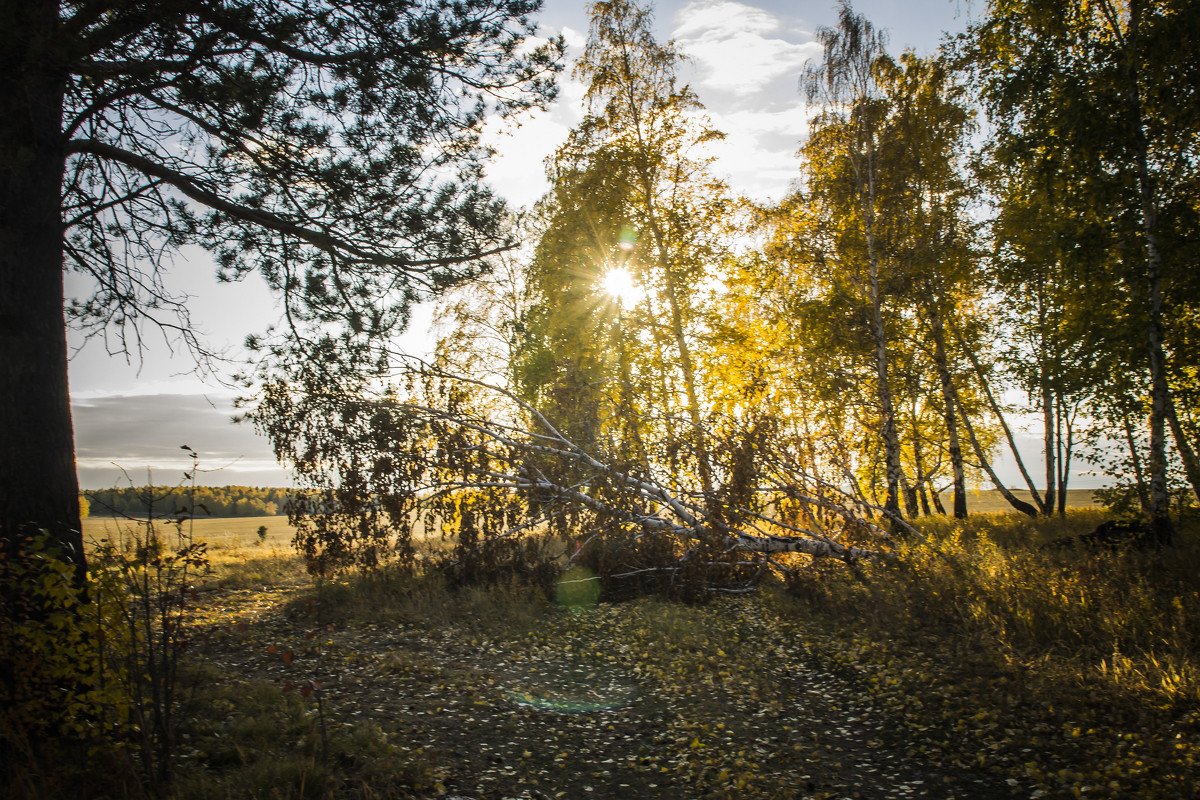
(619, 284)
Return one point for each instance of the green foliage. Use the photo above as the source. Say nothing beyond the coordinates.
(484, 554)
(148, 591)
(93, 668)
(63, 684)
(1094, 147)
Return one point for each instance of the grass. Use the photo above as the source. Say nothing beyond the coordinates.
(228, 533)
(237, 556)
(974, 665)
(1081, 669)
(990, 501)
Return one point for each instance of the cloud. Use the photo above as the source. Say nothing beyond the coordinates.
(758, 154)
(747, 64)
(141, 432)
(517, 172)
(740, 48)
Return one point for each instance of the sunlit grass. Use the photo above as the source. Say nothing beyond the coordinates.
(1117, 616)
(1083, 656)
(1061, 669)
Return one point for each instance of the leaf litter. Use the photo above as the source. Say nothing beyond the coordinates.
(640, 699)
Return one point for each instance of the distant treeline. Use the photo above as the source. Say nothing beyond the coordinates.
(209, 501)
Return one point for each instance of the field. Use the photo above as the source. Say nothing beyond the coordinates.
(226, 533)
(975, 665)
(990, 501)
(233, 533)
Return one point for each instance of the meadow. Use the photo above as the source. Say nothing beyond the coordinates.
(219, 533)
(975, 664)
(238, 532)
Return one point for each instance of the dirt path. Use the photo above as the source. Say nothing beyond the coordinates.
(641, 700)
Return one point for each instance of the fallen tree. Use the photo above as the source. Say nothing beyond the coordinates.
(455, 456)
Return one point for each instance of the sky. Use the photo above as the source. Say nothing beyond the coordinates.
(133, 413)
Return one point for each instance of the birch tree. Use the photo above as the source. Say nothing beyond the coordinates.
(845, 139)
(1101, 92)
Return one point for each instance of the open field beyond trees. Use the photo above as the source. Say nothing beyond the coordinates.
(235, 532)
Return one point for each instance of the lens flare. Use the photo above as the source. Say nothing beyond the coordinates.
(578, 588)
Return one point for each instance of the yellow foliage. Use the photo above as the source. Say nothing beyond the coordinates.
(54, 646)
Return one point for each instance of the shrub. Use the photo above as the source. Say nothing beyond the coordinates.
(60, 689)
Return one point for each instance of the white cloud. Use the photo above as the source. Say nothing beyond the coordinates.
(758, 154)
(740, 48)
(517, 172)
(575, 39)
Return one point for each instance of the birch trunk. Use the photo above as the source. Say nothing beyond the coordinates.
(949, 418)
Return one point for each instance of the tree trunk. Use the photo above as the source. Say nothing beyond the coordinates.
(1049, 445)
(891, 437)
(924, 495)
(38, 484)
(1008, 434)
(1191, 464)
(1065, 433)
(1160, 507)
(986, 465)
(865, 172)
(632, 419)
(1135, 460)
(949, 417)
(919, 465)
(910, 498)
(689, 384)
(647, 177)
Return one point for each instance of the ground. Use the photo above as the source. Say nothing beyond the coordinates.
(641, 699)
(977, 664)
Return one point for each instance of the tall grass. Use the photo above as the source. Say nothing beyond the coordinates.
(1125, 618)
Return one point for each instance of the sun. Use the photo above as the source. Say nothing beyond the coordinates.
(619, 284)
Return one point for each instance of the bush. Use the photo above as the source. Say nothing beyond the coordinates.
(61, 691)
(92, 669)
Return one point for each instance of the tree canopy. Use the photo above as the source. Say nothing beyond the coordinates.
(333, 147)
(1007, 227)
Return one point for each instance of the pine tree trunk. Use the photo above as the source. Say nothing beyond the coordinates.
(38, 484)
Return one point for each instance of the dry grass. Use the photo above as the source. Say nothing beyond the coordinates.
(231, 533)
(990, 501)
(1070, 673)
(1082, 666)
(238, 557)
